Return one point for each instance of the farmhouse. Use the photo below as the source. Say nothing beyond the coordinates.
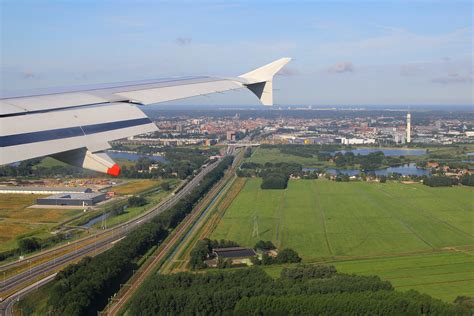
(237, 255)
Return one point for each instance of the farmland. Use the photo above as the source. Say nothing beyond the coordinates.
(263, 155)
(136, 186)
(333, 221)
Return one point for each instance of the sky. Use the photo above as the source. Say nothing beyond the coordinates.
(345, 52)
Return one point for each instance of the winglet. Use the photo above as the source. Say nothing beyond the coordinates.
(260, 80)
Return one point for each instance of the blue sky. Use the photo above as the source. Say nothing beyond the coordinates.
(346, 52)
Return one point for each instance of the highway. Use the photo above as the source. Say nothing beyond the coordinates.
(18, 285)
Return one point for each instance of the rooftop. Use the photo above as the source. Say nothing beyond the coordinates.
(74, 196)
(234, 252)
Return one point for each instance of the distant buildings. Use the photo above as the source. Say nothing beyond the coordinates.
(354, 141)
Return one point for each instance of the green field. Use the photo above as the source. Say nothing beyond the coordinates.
(327, 221)
(263, 155)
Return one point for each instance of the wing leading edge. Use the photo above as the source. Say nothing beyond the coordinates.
(76, 126)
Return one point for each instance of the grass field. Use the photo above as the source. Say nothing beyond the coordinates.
(327, 221)
(135, 186)
(263, 155)
(17, 220)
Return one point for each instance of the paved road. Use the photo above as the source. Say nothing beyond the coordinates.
(20, 283)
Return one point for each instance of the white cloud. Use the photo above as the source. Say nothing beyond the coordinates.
(183, 41)
(342, 67)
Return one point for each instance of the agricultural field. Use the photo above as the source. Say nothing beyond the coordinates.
(263, 155)
(136, 186)
(17, 220)
(333, 221)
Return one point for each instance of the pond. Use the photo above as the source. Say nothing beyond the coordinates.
(405, 170)
(96, 219)
(408, 169)
(386, 152)
(134, 156)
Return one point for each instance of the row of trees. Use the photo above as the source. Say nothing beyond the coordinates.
(438, 181)
(275, 175)
(83, 288)
(300, 290)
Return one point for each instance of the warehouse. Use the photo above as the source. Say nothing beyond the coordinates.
(72, 199)
(42, 190)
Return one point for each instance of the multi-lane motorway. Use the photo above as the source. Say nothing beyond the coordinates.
(20, 284)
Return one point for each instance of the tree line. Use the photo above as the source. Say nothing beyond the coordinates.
(308, 290)
(275, 175)
(83, 288)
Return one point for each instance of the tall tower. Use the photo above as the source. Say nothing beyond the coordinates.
(408, 128)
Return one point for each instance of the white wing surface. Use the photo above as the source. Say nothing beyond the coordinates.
(77, 124)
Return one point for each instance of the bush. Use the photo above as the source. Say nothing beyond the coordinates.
(274, 181)
(29, 244)
(438, 181)
(287, 255)
(136, 201)
(165, 186)
(467, 179)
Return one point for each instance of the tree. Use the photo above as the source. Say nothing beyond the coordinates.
(383, 179)
(287, 255)
(136, 201)
(29, 244)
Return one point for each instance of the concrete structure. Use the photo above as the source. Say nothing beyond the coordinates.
(408, 128)
(75, 199)
(231, 135)
(42, 190)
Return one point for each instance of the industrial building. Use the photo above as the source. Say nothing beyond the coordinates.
(72, 199)
(42, 190)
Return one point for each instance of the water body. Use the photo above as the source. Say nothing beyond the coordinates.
(386, 152)
(96, 219)
(135, 156)
(405, 170)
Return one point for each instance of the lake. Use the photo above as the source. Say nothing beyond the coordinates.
(387, 152)
(406, 170)
(134, 156)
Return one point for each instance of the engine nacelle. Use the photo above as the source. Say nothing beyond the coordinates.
(98, 161)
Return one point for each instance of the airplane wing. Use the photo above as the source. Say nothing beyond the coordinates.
(76, 125)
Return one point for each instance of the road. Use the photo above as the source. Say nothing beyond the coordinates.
(18, 285)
